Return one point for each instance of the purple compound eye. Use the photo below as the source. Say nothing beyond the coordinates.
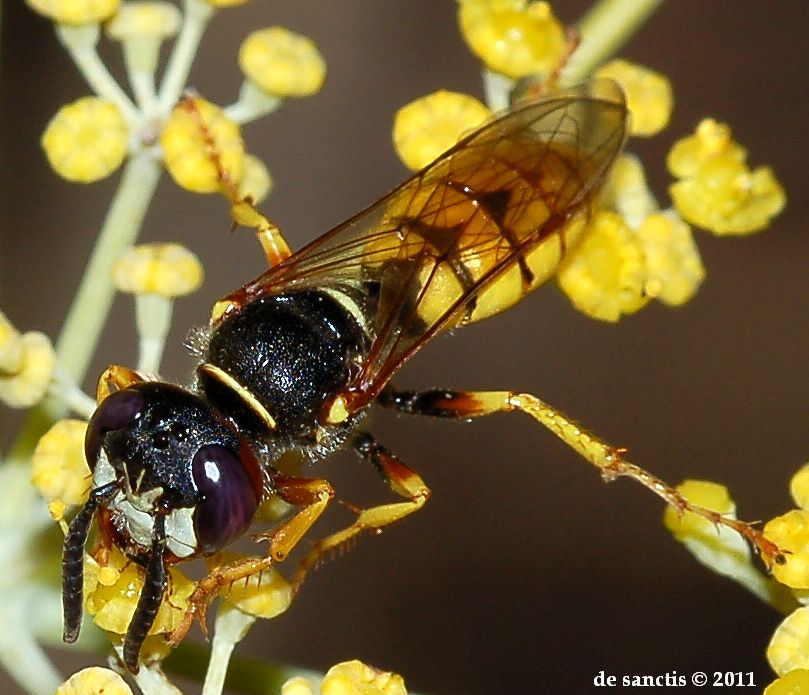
(118, 410)
(228, 497)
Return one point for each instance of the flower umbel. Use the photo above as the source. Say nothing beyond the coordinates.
(76, 11)
(717, 191)
(430, 125)
(348, 678)
(27, 363)
(170, 270)
(187, 150)
(648, 95)
(605, 275)
(282, 62)
(58, 467)
(87, 140)
(94, 681)
(112, 591)
(513, 37)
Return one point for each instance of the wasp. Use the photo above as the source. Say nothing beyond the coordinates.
(292, 361)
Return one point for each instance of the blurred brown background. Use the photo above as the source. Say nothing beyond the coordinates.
(524, 573)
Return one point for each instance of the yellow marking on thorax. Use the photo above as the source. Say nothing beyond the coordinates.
(338, 411)
(242, 392)
(220, 309)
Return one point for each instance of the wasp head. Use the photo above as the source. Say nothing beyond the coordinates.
(175, 479)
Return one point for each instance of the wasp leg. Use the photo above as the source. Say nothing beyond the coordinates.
(243, 208)
(115, 376)
(399, 478)
(608, 459)
(272, 242)
(151, 596)
(313, 494)
(275, 247)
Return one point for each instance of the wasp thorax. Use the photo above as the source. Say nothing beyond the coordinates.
(171, 454)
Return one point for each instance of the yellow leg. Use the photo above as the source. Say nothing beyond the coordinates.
(607, 458)
(313, 494)
(400, 479)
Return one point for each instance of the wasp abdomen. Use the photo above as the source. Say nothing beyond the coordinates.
(279, 358)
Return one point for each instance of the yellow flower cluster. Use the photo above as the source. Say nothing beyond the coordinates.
(348, 678)
(716, 189)
(27, 362)
(76, 11)
(630, 252)
(430, 125)
(111, 595)
(94, 681)
(86, 140)
(648, 93)
(169, 270)
(200, 143)
(282, 62)
(513, 37)
(264, 595)
(58, 467)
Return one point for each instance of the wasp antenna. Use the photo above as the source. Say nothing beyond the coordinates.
(151, 596)
(73, 561)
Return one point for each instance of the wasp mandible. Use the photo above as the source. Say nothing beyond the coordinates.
(292, 360)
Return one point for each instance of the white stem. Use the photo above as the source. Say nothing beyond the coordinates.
(496, 90)
(153, 320)
(22, 518)
(230, 628)
(253, 103)
(80, 42)
(143, 87)
(152, 681)
(88, 313)
(196, 16)
(24, 659)
(65, 389)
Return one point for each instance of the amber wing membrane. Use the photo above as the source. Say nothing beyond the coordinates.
(469, 235)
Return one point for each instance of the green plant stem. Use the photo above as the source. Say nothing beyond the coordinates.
(604, 30)
(91, 305)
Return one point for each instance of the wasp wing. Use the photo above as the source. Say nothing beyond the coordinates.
(470, 234)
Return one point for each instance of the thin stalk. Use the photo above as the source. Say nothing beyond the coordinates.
(604, 30)
(91, 305)
(88, 314)
(80, 43)
(195, 19)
